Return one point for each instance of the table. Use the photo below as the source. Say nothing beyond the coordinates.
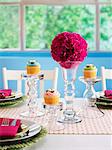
(66, 141)
(74, 142)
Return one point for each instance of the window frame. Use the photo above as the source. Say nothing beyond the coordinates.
(23, 3)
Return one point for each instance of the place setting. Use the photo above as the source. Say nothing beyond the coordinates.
(105, 100)
(8, 97)
(19, 133)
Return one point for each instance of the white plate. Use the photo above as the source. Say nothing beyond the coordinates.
(16, 96)
(33, 130)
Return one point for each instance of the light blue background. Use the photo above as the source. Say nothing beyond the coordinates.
(18, 60)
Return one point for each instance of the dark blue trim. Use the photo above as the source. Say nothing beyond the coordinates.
(46, 54)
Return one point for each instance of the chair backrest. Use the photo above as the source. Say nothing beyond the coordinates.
(106, 74)
(49, 75)
(12, 75)
(16, 75)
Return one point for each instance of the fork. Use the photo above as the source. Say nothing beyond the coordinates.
(5, 122)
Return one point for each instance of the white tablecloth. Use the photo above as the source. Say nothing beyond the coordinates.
(74, 142)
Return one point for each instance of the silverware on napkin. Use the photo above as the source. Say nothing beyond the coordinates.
(5, 122)
(13, 123)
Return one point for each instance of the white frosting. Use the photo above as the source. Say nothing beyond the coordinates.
(51, 92)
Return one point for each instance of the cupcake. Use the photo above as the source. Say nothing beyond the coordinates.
(33, 67)
(90, 71)
(51, 97)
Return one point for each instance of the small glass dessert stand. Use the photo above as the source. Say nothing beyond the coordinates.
(52, 113)
(90, 93)
(90, 98)
(33, 105)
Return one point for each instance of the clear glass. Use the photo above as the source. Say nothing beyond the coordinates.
(69, 76)
(33, 106)
(106, 25)
(52, 113)
(90, 93)
(43, 22)
(90, 99)
(9, 27)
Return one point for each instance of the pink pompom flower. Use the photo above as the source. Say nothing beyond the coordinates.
(68, 47)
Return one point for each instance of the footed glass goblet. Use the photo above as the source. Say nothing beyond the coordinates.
(69, 70)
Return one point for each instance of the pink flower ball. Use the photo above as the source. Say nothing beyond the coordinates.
(68, 46)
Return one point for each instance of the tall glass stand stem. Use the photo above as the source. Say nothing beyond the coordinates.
(69, 96)
(32, 94)
(90, 93)
(69, 76)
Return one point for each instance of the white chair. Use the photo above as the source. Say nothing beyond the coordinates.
(49, 75)
(16, 75)
(13, 75)
(105, 74)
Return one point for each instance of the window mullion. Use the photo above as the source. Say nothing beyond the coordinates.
(97, 27)
(22, 30)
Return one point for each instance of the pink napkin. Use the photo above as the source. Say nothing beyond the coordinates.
(5, 92)
(108, 93)
(9, 131)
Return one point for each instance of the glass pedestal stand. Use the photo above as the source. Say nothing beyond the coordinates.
(90, 109)
(69, 76)
(32, 84)
(90, 93)
(52, 113)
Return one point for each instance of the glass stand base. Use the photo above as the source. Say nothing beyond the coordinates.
(75, 119)
(31, 114)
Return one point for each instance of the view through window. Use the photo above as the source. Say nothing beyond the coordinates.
(31, 25)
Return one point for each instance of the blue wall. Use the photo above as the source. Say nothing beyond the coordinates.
(17, 60)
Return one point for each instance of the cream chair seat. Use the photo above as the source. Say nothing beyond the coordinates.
(16, 75)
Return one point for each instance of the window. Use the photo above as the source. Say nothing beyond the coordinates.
(105, 27)
(32, 24)
(9, 27)
(44, 22)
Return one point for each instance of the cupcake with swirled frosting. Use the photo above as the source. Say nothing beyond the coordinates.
(51, 97)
